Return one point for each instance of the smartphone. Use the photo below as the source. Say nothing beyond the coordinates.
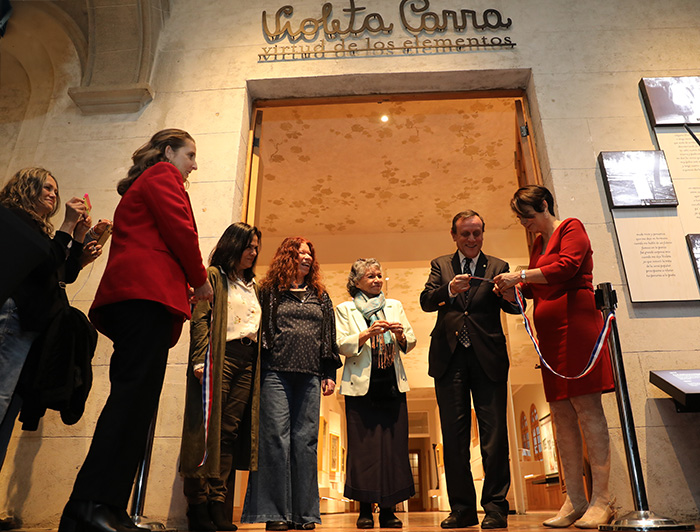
(105, 235)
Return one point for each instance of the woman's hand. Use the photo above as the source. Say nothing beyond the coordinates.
(75, 212)
(505, 281)
(101, 226)
(204, 292)
(374, 330)
(378, 327)
(397, 328)
(508, 294)
(91, 251)
(82, 227)
(327, 386)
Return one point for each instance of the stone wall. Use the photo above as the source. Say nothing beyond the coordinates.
(583, 61)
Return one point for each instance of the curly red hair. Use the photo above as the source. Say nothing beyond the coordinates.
(285, 264)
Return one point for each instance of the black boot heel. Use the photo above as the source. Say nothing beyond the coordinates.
(89, 516)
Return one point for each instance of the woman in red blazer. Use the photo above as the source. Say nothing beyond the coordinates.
(141, 304)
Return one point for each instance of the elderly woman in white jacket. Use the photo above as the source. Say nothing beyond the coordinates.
(372, 333)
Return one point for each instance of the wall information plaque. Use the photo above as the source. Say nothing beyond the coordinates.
(654, 196)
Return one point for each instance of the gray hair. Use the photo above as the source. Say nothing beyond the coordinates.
(357, 272)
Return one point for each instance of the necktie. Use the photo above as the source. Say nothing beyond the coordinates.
(463, 335)
(466, 268)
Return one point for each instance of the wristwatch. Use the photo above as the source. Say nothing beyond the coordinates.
(522, 275)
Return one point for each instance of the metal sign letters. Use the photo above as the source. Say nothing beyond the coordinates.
(360, 34)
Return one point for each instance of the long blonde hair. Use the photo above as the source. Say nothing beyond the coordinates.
(23, 192)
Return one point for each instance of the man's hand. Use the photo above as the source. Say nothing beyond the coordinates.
(460, 283)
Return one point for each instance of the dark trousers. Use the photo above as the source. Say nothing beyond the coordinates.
(465, 377)
(141, 332)
(236, 387)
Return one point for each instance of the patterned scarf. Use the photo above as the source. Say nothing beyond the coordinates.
(382, 345)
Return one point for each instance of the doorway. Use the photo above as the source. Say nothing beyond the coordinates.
(416, 503)
(382, 177)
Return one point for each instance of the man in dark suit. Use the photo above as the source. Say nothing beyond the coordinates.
(468, 356)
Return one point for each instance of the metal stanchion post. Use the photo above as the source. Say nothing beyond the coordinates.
(139, 496)
(642, 518)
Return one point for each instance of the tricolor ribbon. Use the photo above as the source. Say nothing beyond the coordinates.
(207, 392)
(597, 348)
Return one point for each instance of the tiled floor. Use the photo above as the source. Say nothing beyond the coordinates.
(423, 521)
(418, 522)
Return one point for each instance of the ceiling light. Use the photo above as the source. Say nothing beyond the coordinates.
(384, 118)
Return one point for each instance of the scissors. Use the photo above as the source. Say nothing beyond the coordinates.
(482, 279)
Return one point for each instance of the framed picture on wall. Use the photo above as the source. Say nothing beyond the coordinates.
(549, 447)
(637, 179)
(438, 455)
(671, 101)
(322, 435)
(693, 241)
(334, 450)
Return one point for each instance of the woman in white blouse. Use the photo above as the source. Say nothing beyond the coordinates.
(224, 358)
(372, 333)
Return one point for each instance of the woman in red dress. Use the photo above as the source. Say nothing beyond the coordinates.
(559, 280)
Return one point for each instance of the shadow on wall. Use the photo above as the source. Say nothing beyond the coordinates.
(26, 450)
(178, 506)
(683, 439)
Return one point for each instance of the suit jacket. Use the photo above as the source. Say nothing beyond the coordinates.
(154, 253)
(349, 323)
(480, 308)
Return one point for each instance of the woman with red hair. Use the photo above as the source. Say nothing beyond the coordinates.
(298, 362)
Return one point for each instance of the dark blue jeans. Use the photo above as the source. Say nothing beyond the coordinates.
(285, 486)
(14, 348)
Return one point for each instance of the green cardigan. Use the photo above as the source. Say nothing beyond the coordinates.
(245, 453)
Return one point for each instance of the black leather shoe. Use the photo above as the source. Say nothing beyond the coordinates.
(89, 516)
(365, 521)
(305, 526)
(276, 525)
(388, 519)
(460, 519)
(124, 520)
(495, 520)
